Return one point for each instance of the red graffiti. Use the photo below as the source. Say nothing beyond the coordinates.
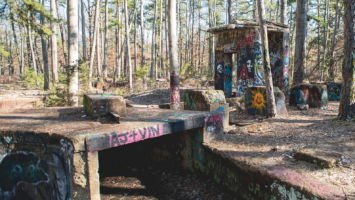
(243, 72)
(247, 41)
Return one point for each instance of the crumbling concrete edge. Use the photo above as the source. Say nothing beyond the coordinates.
(252, 182)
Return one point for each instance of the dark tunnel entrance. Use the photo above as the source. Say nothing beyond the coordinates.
(154, 169)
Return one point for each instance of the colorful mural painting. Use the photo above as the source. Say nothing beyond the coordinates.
(314, 95)
(36, 175)
(245, 43)
(228, 80)
(256, 104)
(255, 101)
(334, 91)
(219, 76)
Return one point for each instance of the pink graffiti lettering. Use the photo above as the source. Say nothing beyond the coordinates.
(118, 139)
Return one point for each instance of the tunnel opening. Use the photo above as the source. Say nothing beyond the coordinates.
(155, 169)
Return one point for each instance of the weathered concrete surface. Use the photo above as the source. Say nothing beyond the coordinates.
(60, 146)
(255, 101)
(100, 105)
(9, 104)
(250, 181)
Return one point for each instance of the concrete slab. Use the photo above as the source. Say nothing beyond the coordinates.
(73, 124)
(52, 153)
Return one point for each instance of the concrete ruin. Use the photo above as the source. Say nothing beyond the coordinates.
(238, 48)
(312, 95)
(53, 153)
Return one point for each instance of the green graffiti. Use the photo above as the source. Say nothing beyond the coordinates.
(190, 102)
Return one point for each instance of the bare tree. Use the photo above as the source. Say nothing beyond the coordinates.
(94, 40)
(44, 55)
(83, 29)
(31, 49)
(300, 48)
(104, 66)
(54, 48)
(331, 69)
(128, 46)
(271, 105)
(73, 46)
(173, 58)
(283, 13)
(229, 11)
(153, 49)
(347, 102)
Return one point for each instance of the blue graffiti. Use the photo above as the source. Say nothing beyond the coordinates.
(228, 81)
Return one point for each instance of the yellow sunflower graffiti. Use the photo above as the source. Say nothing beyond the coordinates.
(258, 100)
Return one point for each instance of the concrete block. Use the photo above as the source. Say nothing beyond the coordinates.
(99, 105)
(202, 99)
(207, 100)
(255, 101)
(315, 95)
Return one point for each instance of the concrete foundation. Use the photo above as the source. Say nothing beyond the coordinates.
(53, 153)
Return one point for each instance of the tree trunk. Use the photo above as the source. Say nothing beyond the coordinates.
(83, 30)
(300, 48)
(135, 37)
(325, 38)
(118, 46)
(211, 41)
(73, 51)
(62, 35)
(229, 12)
(128, 48)
(22, 63)
(94, 40)
(152, 67)
(33, 56)
(142, 33)
(98, 50)
(331, 69)
(173, 58)
(270, 98)
(161, 56)
(45, 56)
(283, 13)
(104, 66)
(192, 34)
(166, 15)
(54, 47)
(347, 101)
(142, 48)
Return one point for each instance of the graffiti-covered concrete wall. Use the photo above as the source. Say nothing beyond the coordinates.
(35, 167)
(245, 44)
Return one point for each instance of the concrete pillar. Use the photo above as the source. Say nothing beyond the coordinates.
(93, 174)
